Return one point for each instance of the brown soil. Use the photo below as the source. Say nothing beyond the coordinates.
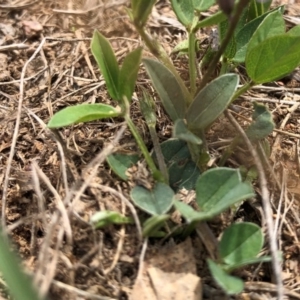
(52, 182)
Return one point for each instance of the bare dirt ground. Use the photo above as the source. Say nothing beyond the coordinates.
(52, 182)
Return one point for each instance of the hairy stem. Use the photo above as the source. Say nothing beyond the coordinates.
(192, 63)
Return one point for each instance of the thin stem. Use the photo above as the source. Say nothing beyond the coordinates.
(242, 90)
(155, 172)
(159, 156)
(210, 21)
(233, 22)
(147, 107)
(224, 66)
(192, 63)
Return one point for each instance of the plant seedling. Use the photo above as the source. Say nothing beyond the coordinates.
(250, 34)
(246, 241)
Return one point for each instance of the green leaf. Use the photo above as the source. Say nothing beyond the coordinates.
(295, 31)
(128, 73)
(141, 10)
(181, 132)
(219, 188)
(273, 58)
(107, 62)
(189, 213)
(257, 8)
(247, 262)
(244, 35)
(231, 47)
(154, 224)
(181, 47)
(211, 101)
(262, 124)
(183, 172)
(184, 11)
(119, 163)
(212, 20)
(240, 242)
(104, 218)
(20, 286)
(82, 113)
(202, 5)
(216, 190)
(243, 20)
(167, 88)
(230, 284)
(156, 201)
(272, 25)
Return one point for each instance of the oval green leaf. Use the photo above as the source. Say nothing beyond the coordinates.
(262, 124)
(157, 201)
(119, 163)
(240, 242)
(244, 35)
(167, 88)
(181, 132)
(107, 62)
(273, 58)
(257, 8)
(214, 19)
(128, 73)
(295, 31)
(183, 172)
(82, 113)
(219, 188)
(211, 101)
(182, 47)
(202, 5)
(272, 25)
(230, 284)
(104, 218)
(216, 190)
(184, 11)
(231, 47)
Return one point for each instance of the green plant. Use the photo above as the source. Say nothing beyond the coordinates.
(246, 241)
(250, 34)
(19, 284)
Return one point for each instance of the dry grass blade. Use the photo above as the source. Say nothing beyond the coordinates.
(266, 204)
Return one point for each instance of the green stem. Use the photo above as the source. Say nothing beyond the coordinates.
(192, 62)
(159, 156)
(198, 152)
(158, 51)
(210, 21)
(224, 66)
(155, 172)
(233, 23)
(243, 90)
(147, 107)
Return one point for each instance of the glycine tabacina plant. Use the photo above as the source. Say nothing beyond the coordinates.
(250, 34)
